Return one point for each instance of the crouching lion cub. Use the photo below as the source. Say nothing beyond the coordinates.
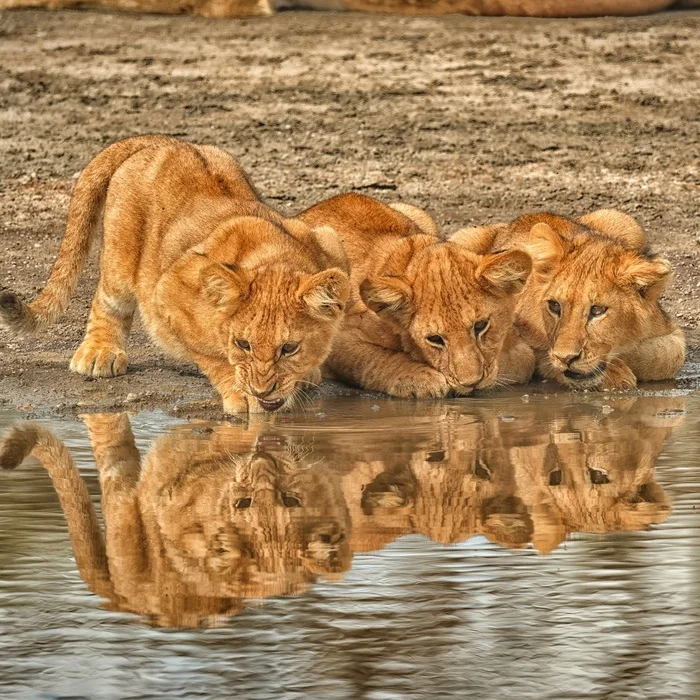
(208, 520)
(428, 317)
(219, 277)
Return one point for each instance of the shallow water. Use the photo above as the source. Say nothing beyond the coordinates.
(545, 547)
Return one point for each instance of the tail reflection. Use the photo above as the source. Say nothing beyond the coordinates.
(220, 516)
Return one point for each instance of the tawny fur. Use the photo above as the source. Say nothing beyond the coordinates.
(580, 267)
(602, 480)
(408, 286)
(214, 518)
(523, 8)
(207, 523)
(188, 242)
(248, 8)
(535, 480)
(203, 8)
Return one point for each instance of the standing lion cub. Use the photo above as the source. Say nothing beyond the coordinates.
(219, 277)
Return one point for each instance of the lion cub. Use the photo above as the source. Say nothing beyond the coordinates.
(220, 278)
(427, 317)
(205, 523)
(591, 308)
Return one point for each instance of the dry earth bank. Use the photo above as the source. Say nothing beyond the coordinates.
(477, 119)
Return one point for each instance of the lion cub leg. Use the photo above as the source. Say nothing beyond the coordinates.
(222, 375)
(103, 351)
(517, 360)
(356, 361)
(654, 359)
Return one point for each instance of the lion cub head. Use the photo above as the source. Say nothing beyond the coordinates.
(276, 320)
(594, 290)
(451, 302)
(245, 523)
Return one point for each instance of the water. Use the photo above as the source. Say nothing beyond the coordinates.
(486, 548)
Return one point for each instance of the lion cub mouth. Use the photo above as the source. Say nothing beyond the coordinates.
(271, 405)
(584, 376)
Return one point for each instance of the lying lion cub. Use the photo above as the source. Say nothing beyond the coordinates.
(429, 317)
(591, 308)
(220, 278)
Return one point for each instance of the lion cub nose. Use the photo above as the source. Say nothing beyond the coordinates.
(568, 359)
(265, 392)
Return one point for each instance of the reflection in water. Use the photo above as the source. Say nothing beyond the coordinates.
(219, 515)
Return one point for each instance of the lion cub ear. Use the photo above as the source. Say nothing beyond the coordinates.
(325, 293)
(225, 286)
(546, 247)
(476, 239)
(617, 225)
(329, 242)
(648, 276)
(418, 216)
(507, 271)
(390, 295)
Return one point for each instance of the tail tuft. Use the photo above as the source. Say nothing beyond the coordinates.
(16, 446)
(15, 314)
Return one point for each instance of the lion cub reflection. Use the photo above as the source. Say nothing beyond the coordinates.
(207, 522)
(517, 485)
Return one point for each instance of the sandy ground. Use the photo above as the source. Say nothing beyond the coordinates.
(475, 119)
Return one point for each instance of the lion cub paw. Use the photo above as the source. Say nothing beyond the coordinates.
(618, 376)
(235, 404)
(422, 383)
(94, 360)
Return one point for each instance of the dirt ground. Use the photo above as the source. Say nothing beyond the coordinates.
(476, 119)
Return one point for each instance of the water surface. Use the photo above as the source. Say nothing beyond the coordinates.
(536, 547)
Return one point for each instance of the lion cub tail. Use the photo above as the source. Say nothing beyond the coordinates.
(32, 439)
(418, 216)
(84, 217)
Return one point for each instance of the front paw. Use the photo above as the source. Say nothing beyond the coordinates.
(422, 383)
(94, 360)
(235, 404)
(618, 376)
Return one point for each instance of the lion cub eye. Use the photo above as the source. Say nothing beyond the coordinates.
(243, 344)
(597, 311)
(289, 349)
(481, 471)
(289, 500)
(597, 476)
(554, 307)
(436, 340)
(480, 327)
(243, 503)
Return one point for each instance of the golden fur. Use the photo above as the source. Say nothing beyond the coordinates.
(247, 8)
(207, 523)
(203, 8)
(516, 484)
(225, 514)
(591, 308)
(523, 8)
(210, 267)
(597, 474)
(413, 325)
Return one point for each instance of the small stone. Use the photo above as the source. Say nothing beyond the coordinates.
(607, 409)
